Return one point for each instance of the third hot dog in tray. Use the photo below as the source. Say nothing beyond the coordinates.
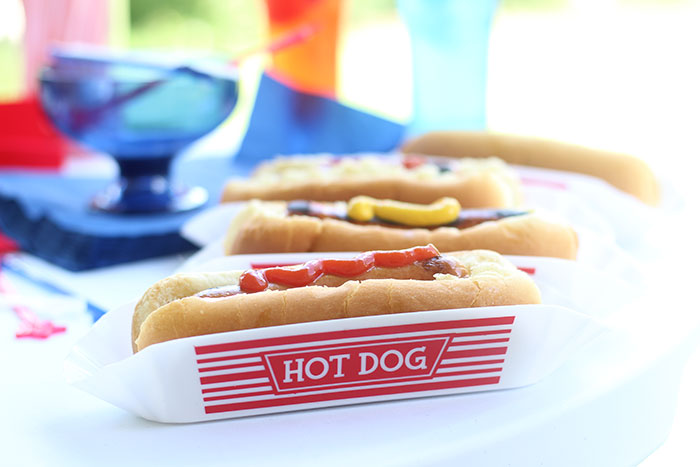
(475, 183)
(366, 223)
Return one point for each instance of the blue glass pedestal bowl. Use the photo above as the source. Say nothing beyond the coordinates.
(142, 113)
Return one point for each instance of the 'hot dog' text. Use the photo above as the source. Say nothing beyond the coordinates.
(351, 365)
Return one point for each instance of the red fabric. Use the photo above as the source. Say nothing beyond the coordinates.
(7, 244)
(27, 138)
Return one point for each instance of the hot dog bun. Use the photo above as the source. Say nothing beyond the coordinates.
(623, 171)
(474, 183)
(264, 227)
(168, 310)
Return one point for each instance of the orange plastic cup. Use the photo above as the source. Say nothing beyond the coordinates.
(310, 65)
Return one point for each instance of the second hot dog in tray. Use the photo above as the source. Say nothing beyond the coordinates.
(302, 226)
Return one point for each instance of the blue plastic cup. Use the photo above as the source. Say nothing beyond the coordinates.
(449, 45)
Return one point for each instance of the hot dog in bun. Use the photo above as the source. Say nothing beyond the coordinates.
(379, 282)
(623, 171)
(476, 183)
(366, 223)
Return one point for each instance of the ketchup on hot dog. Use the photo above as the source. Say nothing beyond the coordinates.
(258, 280)
(426, 261)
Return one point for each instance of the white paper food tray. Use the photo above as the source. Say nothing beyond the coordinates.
(594, 252)
(348, 361)
(587, 203)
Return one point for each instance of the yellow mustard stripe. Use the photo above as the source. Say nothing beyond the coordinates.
(441, 212)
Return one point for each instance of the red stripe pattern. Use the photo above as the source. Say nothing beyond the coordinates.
(352, 364)
(554, 184)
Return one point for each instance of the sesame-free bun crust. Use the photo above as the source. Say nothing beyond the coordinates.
(169, 311)
(623, 171)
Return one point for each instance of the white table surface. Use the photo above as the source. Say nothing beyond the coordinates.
(47, 422)
(648, 107)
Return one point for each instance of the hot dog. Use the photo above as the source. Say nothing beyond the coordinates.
(623, 171)
(379, 282)
(279, 227)
(473, 182)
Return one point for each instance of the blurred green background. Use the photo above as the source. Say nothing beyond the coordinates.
(222, 27)
(614, 74)
(374, 68)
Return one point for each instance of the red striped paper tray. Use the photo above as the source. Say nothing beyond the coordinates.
(341, 362)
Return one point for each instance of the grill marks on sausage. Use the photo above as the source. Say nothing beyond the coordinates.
(443, 265)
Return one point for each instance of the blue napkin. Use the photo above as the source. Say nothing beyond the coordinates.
(48, 215)
(287, 121)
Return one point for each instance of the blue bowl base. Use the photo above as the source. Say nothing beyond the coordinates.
(148, 195)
